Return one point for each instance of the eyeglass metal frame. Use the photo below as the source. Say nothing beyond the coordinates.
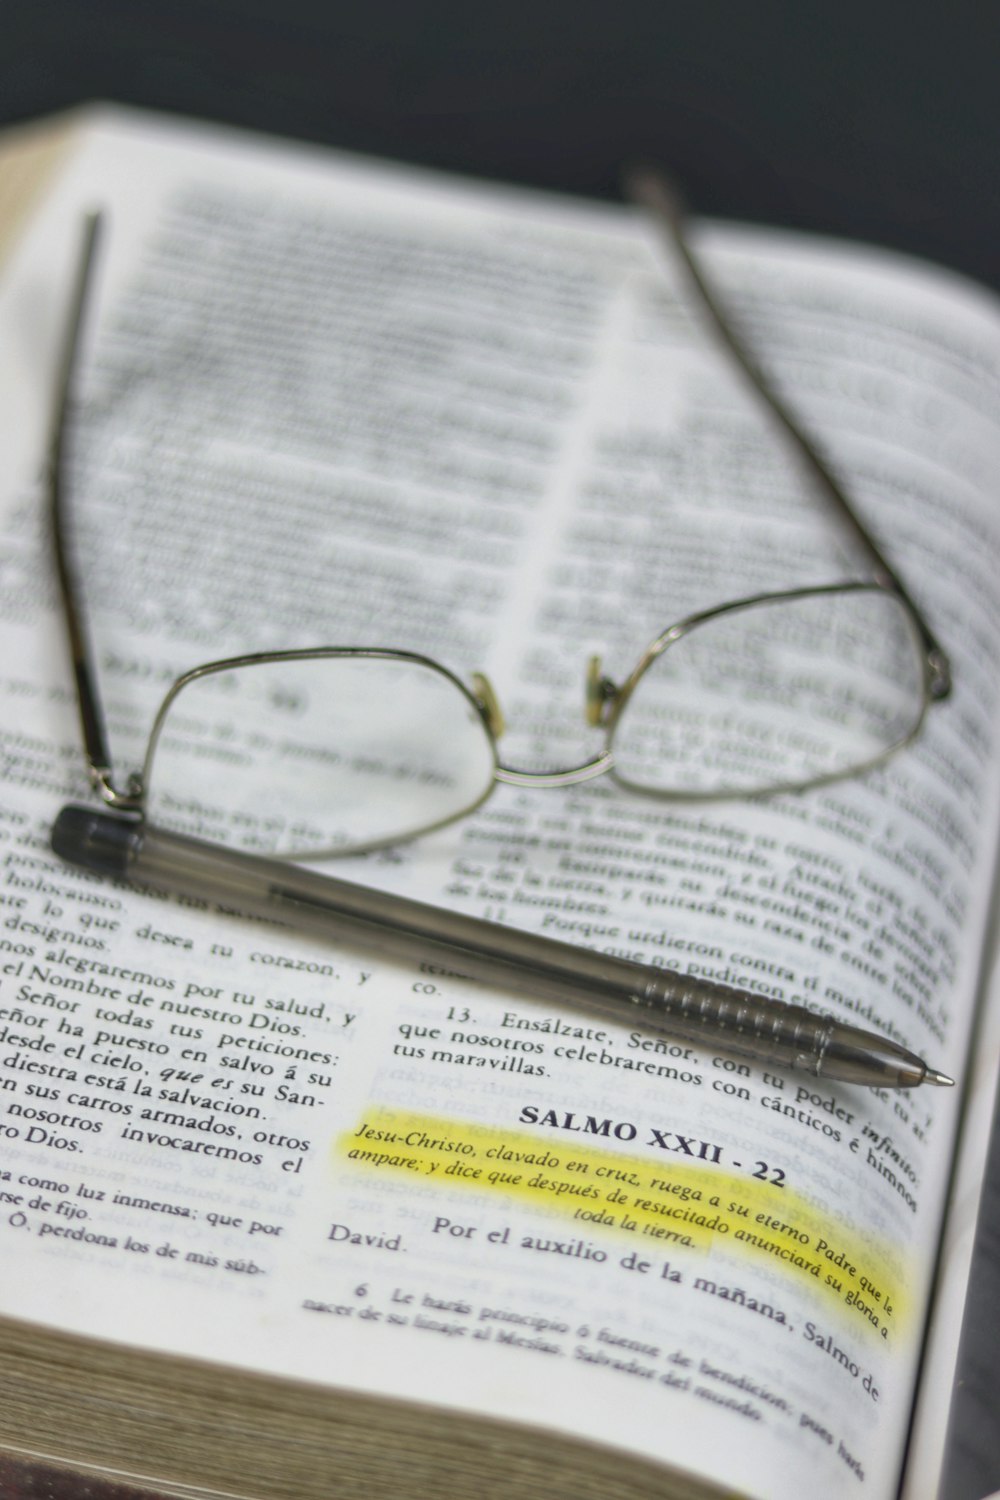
(605, 700)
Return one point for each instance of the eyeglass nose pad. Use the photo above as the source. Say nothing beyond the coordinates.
(599, 693)
(489, 704)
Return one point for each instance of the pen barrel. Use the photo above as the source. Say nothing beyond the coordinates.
(694, 1009)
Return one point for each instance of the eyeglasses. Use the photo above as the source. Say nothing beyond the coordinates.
(342, 750)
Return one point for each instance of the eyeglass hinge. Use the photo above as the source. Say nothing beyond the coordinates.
(129, 800)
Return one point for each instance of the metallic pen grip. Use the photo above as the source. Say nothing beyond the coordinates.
(706, 1012)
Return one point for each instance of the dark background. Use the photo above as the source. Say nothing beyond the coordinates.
(878, 120)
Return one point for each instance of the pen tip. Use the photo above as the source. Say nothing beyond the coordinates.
(941, 1079)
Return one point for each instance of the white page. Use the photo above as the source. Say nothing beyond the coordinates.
(502, 405)
(939, 1384)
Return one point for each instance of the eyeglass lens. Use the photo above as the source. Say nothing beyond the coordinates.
(779, 693)
(328, 753)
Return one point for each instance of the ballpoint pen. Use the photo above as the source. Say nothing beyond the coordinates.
(684, 1007)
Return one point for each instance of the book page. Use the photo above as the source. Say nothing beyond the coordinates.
(329, 403)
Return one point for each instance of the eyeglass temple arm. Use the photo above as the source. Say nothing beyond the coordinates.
(652, 189)
(84, 675)
(646, 186)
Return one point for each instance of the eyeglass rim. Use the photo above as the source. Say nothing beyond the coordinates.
(692, 622)
(140, 785)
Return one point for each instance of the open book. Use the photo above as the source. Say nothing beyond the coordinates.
(286, 1217)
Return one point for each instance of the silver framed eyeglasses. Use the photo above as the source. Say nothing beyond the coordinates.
(307, 753)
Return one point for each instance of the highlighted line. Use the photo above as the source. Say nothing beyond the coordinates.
(668, 1204)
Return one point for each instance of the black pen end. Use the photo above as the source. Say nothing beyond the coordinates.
(96, 840)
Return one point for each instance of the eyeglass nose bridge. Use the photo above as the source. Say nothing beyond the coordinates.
(600, 695)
